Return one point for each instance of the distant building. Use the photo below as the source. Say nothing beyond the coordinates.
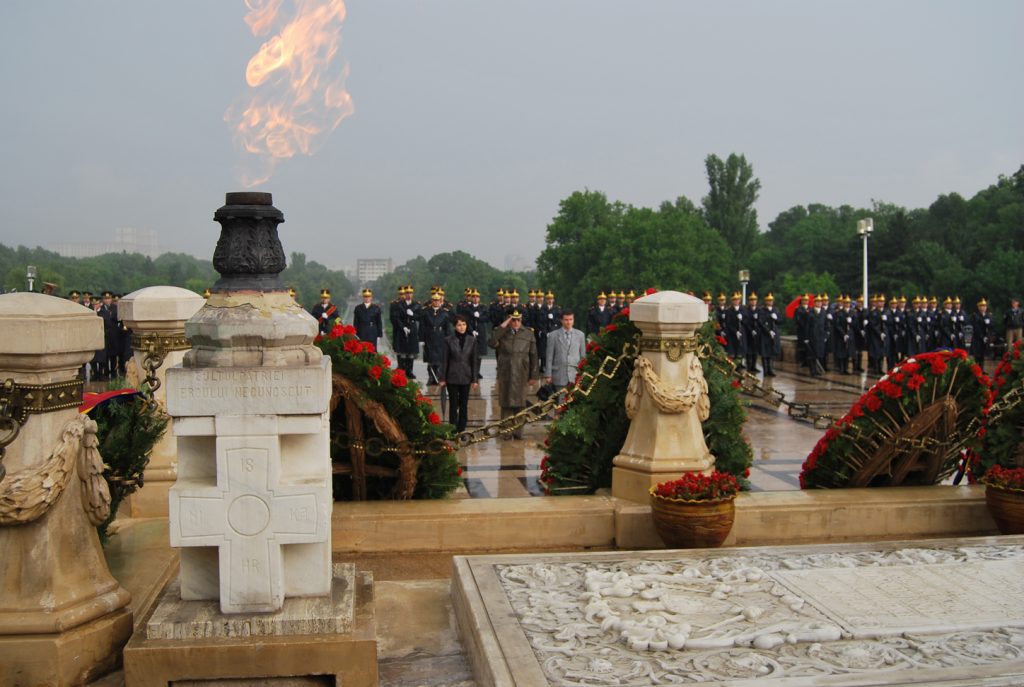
(370, 269)
(125, 240)
(517, 263)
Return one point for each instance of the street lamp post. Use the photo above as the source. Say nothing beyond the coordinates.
(744, 280)
(31, 275)
(864, 228)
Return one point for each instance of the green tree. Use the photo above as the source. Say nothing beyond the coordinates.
(729, 205)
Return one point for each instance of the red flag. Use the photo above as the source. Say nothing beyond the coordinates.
(795, 303)
(91, 400)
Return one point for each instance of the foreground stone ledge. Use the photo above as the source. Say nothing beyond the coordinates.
(601, 521)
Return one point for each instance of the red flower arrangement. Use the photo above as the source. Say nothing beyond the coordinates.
(696, 486)
(890, 404)
(1011, 479)
(359, 362)
(1001, 439)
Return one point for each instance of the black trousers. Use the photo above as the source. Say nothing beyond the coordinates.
(458, 405)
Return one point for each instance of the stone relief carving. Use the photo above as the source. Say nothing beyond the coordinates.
(642, 622)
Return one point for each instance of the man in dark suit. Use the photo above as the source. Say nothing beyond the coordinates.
(366, 318)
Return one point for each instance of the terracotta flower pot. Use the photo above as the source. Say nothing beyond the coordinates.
(692, 524)
(1007, 509)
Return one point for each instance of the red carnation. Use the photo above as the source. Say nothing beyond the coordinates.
(318, 338)
(856, 410)
(735, 384)
(434, 419)
(375, 372)
(336, 331)
(915, 382)
(398, 378)
(721, 340)
(611, 328)
(938, 366)
(872, 402)
(650, 291)
(353, 346)
(368, 347)
(385, 361)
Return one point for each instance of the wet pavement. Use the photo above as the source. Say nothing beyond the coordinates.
(499, 468)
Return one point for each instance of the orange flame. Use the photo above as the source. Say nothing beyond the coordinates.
(299, 91)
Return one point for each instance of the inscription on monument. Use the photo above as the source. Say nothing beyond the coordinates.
(874, 602)
(215, 391)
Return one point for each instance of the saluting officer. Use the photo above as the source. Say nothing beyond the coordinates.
(981, 331)
(404, 316)
(366, 318)
(325, 312)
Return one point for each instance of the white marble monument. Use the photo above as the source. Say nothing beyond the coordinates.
(901, 613)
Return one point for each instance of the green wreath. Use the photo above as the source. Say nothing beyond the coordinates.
(590, 431)
(437, 473)
(1002, 441)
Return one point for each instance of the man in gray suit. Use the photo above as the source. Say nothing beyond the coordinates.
(566, 347)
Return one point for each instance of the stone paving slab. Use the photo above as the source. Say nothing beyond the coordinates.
(939, 612)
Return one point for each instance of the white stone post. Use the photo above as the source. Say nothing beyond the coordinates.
(63, 618)
(252, 505)
(662, 444)
(158, 312)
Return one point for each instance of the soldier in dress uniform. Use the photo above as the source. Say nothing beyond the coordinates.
(107, 367)
(366, 318)
(709, 303)
(513, 303)
(496, 310)
(599, 316)
(752, 332)
(435, 326)
(630, 297)
(860, 343)
(901, 320)
(768, 334)
(947, 325)
(960, 321)
(892, 334)
(874, 328)
(478, 322)
(404, 316)
(932, 320)
(548, 320)
(981, 332)
(843, 345)
(733, 329)
(819, 335)
(913, 324)
(720, 308)
(75, 297)
(802, 320)
(325, 312)
(87, 301)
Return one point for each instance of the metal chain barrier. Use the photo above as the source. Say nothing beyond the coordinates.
(155, 348)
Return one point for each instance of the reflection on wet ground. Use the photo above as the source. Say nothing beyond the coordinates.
(509, 468)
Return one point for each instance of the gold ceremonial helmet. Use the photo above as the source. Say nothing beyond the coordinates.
(367, 292)
(325, 293)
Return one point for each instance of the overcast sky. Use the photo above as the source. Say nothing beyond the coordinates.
(473, 118)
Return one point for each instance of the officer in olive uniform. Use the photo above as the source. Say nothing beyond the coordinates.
(517, 365)
(366, 318)
(325, 313)
(404, 317)
(982, 331)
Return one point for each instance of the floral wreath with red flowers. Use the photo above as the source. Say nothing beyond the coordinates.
(879, 414)
(696, 486)
(588, 433)
(438, 474)
(1001, 440)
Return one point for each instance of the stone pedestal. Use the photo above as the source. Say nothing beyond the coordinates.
(158, 312)
(661, 445)
(63, 618)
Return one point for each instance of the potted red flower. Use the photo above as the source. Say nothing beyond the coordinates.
(696, 510)
(1004, 494)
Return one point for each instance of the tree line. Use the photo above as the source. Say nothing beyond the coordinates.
(126, 272)
(968, 247)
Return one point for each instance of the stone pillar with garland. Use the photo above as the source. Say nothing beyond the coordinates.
(156, 315)
(63, 617)
(667, 399)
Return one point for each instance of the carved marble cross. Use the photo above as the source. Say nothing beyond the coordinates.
(248, 514)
